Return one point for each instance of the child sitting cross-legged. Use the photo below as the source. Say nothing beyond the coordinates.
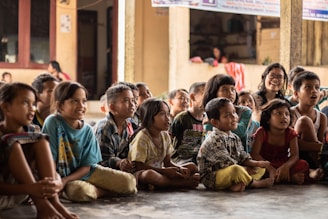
(276, 142)
(222, 160)
(151, 148)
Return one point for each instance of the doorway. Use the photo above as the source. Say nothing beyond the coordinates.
(87, 51)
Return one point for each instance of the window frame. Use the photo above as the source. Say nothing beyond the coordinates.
(24, 37)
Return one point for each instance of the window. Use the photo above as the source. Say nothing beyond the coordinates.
(27, 33)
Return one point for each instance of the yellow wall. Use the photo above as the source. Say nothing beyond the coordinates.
(66, 42)
(151, 46)
(66, 49)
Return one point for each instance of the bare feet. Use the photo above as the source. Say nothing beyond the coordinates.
(62, 210)
(46, 210)
(298, 178)
(239, 187)
(263, 183)
(316, 174)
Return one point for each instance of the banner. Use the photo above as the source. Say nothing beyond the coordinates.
(312, 9)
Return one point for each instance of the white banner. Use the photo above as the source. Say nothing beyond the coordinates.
(312, 9)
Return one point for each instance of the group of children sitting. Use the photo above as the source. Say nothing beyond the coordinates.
(209, 134)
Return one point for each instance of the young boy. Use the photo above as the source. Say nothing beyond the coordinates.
(187, 127)
(178, 100)
(112, 132)
(309, 123)
(44, 84)
(222, 160)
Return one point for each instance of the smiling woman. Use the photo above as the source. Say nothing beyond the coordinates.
(273, 84)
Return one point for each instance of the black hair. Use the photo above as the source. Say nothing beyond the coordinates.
(63, 91)
(213, 84)
(214, 106)
(9, 91)
(55, 65)
(293, 72)
(196, 87)
(268, 108)
(304, 76)
(114, 91)
(37, 83)
(174, 92)
(261, 86)
(149, 109)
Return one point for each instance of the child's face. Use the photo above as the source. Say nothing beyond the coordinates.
(280, 118)
(75, 107)
(274, 81)
(124, 106)
(45, 95)
(197, 99)
(162, 119)
(227, 91)
(309, 92)
(228, 118)
(246, 100)
(180, 102)
(21, 110)
(144, 93)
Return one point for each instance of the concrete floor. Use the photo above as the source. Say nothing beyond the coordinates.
(280, 201)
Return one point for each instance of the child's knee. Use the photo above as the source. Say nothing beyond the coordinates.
(80, 191)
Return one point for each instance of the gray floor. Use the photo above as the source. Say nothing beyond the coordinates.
(280, 201)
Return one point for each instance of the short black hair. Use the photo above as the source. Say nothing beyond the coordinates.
(304, 76)
(214, 106)
(37, 83)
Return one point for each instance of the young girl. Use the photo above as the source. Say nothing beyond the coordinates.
(222, 85)
(276, 142)
(151, 148)
(26, 161)
(76, 151)
(245, 98)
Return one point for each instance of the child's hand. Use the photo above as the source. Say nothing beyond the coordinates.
(185, 172)
(283, 174)
(126, 165)
(46, 188)
(173, 173)
(263, 163)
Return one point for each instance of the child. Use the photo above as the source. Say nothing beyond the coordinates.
(292, 98)
(134, 120)
(113, 132)
(187, 127)
(178, 100)
(76, 151)
(245, 98)
(272, 85)
(7, 77)
(222, 160)
(309, 123)
(144, 92)
(151, 148)
(26, 161)
(222, 85)
(44, 84)
(291, 76)
(276, 142)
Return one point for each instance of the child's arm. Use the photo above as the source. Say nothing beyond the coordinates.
(243, 122)
(257, 146)
(283, 172)
(76, 175)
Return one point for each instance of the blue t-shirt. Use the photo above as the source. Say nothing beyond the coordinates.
(71, 148)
